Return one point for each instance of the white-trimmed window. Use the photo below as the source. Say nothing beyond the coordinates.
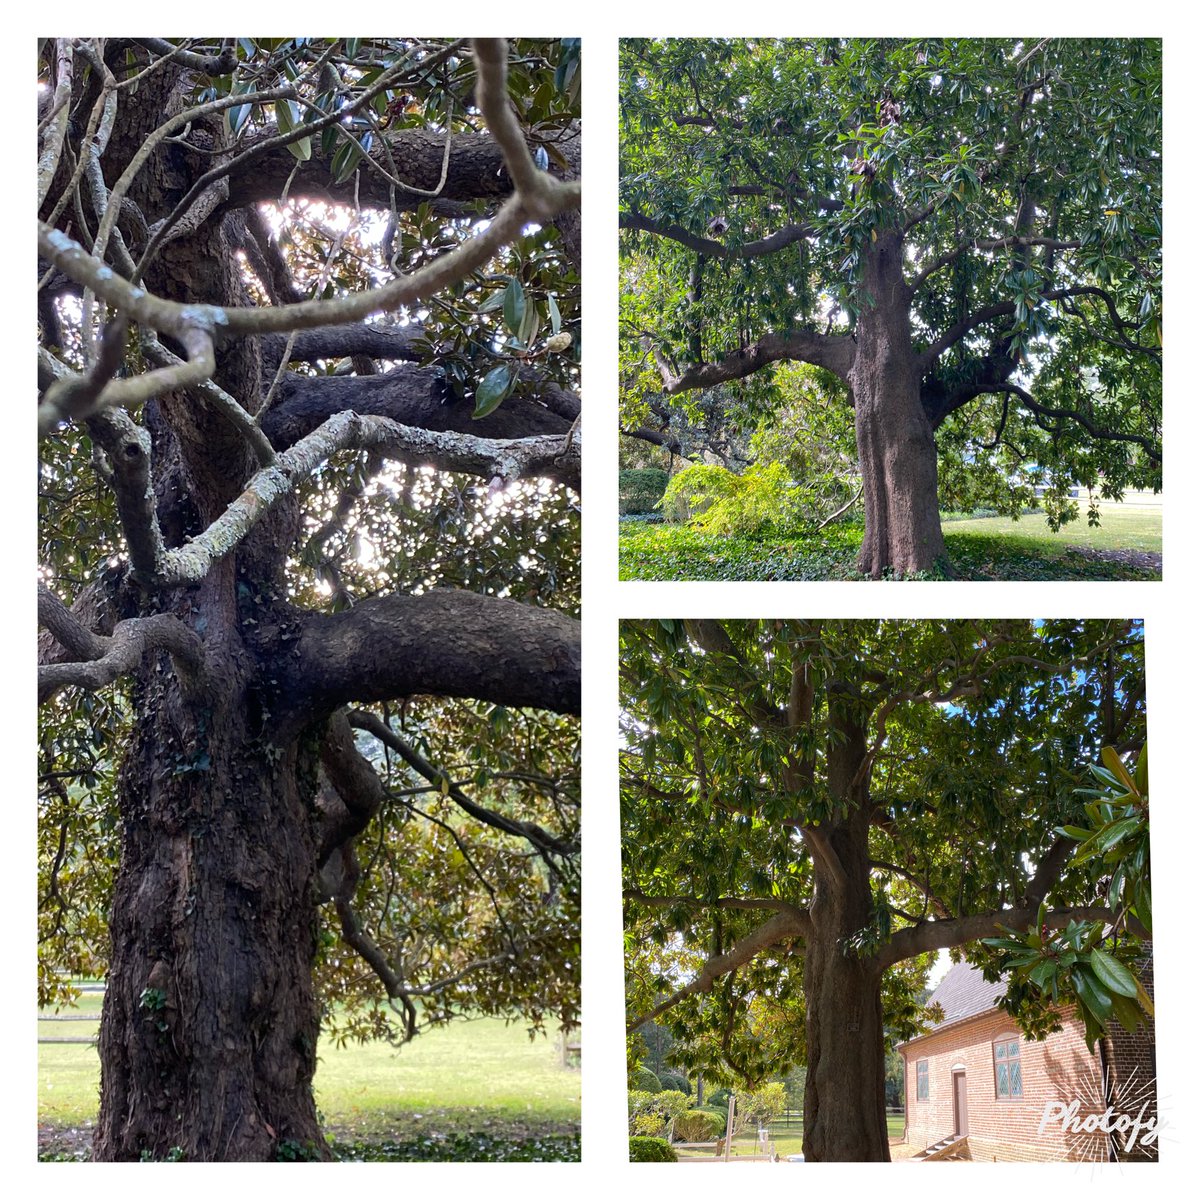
(922, 1079)
(1007, 1058)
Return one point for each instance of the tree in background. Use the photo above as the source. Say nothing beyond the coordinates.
(309, 584)
(812, 809)
(966, 232)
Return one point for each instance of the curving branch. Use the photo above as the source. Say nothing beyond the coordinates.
(122, 653)
(1153, 451)
(356, 783)
(776, 930)
(957, 931)
(441, 643)
(70, 633)
(547, 844)
(834, 352)
(771, 244)
(972, 321)
(507, 461)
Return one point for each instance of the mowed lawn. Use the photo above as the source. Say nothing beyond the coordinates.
(1122, 527)
(484, 1067)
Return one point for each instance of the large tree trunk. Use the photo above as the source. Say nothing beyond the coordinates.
(844, 1102)
(208, 1038)
(897, 453)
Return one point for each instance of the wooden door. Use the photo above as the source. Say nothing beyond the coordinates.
(961, 1128)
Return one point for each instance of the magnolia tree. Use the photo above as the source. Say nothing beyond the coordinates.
(308, 581)
(812, 809)
(965, 232)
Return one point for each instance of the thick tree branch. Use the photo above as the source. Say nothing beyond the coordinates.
(833, 352)
(1153, 451)
(74, 637)
(1048, 871)
(783, 927)
(441, 643)
(507, 460)
(122, 653)
(356, 783)
(395, 343)
(128, 448)
(224, 63)
(414, 396)
(958, 931)
(771, 244)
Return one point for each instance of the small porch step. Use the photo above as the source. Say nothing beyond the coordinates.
(953, 1145)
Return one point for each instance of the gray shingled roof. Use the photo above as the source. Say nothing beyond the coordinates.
(964, 993)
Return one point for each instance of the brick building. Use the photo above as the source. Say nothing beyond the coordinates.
(975, 1076)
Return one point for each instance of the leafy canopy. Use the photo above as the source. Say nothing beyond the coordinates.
(969, 790)
(962, 144)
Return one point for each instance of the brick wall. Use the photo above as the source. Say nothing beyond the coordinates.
(1132, 1068)
(1005, 1130)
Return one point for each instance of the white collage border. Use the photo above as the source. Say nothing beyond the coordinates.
(1170, 608)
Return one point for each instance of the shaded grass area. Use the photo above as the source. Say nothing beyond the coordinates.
(995, 548)
(472, 1091)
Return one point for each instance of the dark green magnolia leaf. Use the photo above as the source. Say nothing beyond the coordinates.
(1114, 975)
(345, 160)
(492, 390)
(287, 117)
(514, 306)
(1089, 990)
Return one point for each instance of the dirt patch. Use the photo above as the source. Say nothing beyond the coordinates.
(59, 1144)
(1142, 560)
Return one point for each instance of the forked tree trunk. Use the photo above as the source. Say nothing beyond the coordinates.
(208, 1039)
(844, 1102)
(897, 453)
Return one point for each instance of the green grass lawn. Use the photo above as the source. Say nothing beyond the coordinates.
(474, 1089)
(1120, 528)
(995, 548)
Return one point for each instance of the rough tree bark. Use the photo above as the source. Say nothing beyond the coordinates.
(897, 454)
(209, 1029)
(844, 1105)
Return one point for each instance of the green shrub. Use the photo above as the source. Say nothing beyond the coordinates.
(699, 1125)
(642, 1079)
(672, 1081)
(640, 490)
(763, 501)
(719, 1114)
(648, 1149)
(652, 1114)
